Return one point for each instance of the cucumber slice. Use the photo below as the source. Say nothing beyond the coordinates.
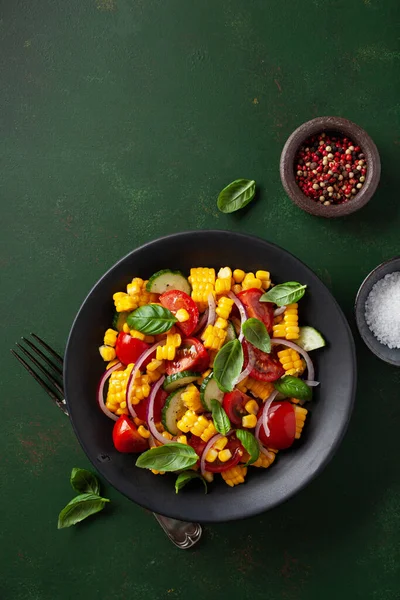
(118, 320)
(236, 324)
(173, 411)
(230, 332)
(165, 280)
(310, 339)
(178, 380)
(209, 390)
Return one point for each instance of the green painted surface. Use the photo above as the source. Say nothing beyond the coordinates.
(115, 110)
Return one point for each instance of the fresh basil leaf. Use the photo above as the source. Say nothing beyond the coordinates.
(228, 365)
(171, 457)
(80, 508)
(293, 387)
(284, 293)
(151, 319)
(236, 195)
(185, 477)
(221, 420)
(250, 444)
(256, 333)
(84, 481)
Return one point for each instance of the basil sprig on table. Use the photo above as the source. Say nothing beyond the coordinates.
(256, 333)
(221, 420)
(170, 457)
(151, 319)
(228, 365)
(87, 503)
(186, 477)
(236, 195)
(293, 387)
(250, 444)
(284, 293)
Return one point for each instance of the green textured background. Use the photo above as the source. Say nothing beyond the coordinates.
(120, 120)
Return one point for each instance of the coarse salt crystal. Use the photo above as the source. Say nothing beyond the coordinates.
(382, 310)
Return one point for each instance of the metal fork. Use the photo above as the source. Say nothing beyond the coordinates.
(184, 535)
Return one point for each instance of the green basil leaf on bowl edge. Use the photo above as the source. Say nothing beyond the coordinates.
(256, 333)
(80, 508)
(250, 444)
(293, 387)
(151, 319)
(284, 293)
(84, 481)
(221, 420)
(171, 457)
(236, 195)
(228, 365)
(186, 477)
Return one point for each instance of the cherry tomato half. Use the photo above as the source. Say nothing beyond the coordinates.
(159, 401)
(175, 300)
(197, 444)
(129, 349)
(126, 437)
(190, 356)
(233, 404)
(266, 366)
(264, 311)
(237, 452)
(282, 426)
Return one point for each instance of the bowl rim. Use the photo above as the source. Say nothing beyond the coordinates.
(342, 126)
(359, 312)
(332, 448)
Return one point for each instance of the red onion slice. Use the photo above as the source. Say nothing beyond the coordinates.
(150, 413)
(250, 365)
(201, 322)
(242, 311)
(263, 420)
(267, 452)
(311, 383)
(211, 310)
(100, 391)
(304, 354)
(131, 380)
(279, 311)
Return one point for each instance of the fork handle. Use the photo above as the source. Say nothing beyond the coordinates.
(181, 533)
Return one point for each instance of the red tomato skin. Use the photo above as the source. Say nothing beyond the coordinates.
(175, 300)
(126, 437)
(266, 367)
(159, 401)
(282, 427)
(233, 404)
(237, 451)
(191, 356)
(264, 311)
(128, 349)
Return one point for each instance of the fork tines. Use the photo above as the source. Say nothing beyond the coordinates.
(49, 365)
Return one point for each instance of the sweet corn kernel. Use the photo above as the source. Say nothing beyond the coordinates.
(224, 307)
(249, 421)
(182, 439)
(211, 455)
(263, 275)
(250, 283)
(224, 455)
(167, 435)
(182, 315)
(145, 433)
(234, 475)
(137, 334)
(110, 337)
(224, 273)
(221, 443)
(252, 407)
(107, 353)
(213, 337)
(264, 460)
(138, 422)
(238, 275)
(126, 328)
(221, 323)
(209, 477)
(191, 398)
(112, 363)
(154, 365)
(236, 289)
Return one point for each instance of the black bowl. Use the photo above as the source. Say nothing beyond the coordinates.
(329, 412)
(389, 355)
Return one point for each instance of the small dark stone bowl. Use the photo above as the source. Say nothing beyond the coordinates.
(389, 355)
(345, 128)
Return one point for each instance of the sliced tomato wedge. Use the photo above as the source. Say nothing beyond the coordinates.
(264, 311)
(174, 300)
(237, 452)
(159, 401)
(281, 424)
(126, 437)
(197, 444)
(129, 349)
(266, 366)
(190, 356)
(233, 404)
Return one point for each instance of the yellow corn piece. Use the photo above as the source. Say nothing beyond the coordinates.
(137, 290)
(197, 425)
(202, 281)
(288, 328)
(249, 421)
(182, 315)
(223, 282)
(107, 353)
(187, 421)
(251, 281)
(291, 362)
(209, 477)
(117, 389)
(238, 275)
(265, 279)
(235, 475)
(220, 444)
(211, 455)
(137, 335)
(145, 433)
(182, 439)
(237, 288)
(123, 302)
(110, 337)
(213, 337)
(112, 363)
(252, 407)
(259, 389)
(224, 455)
(154, 364)
(224, 307)
(168, 350)
(300, 414)
(264, 461)
(191, 398)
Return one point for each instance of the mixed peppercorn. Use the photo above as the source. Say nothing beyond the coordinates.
(330, 169)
